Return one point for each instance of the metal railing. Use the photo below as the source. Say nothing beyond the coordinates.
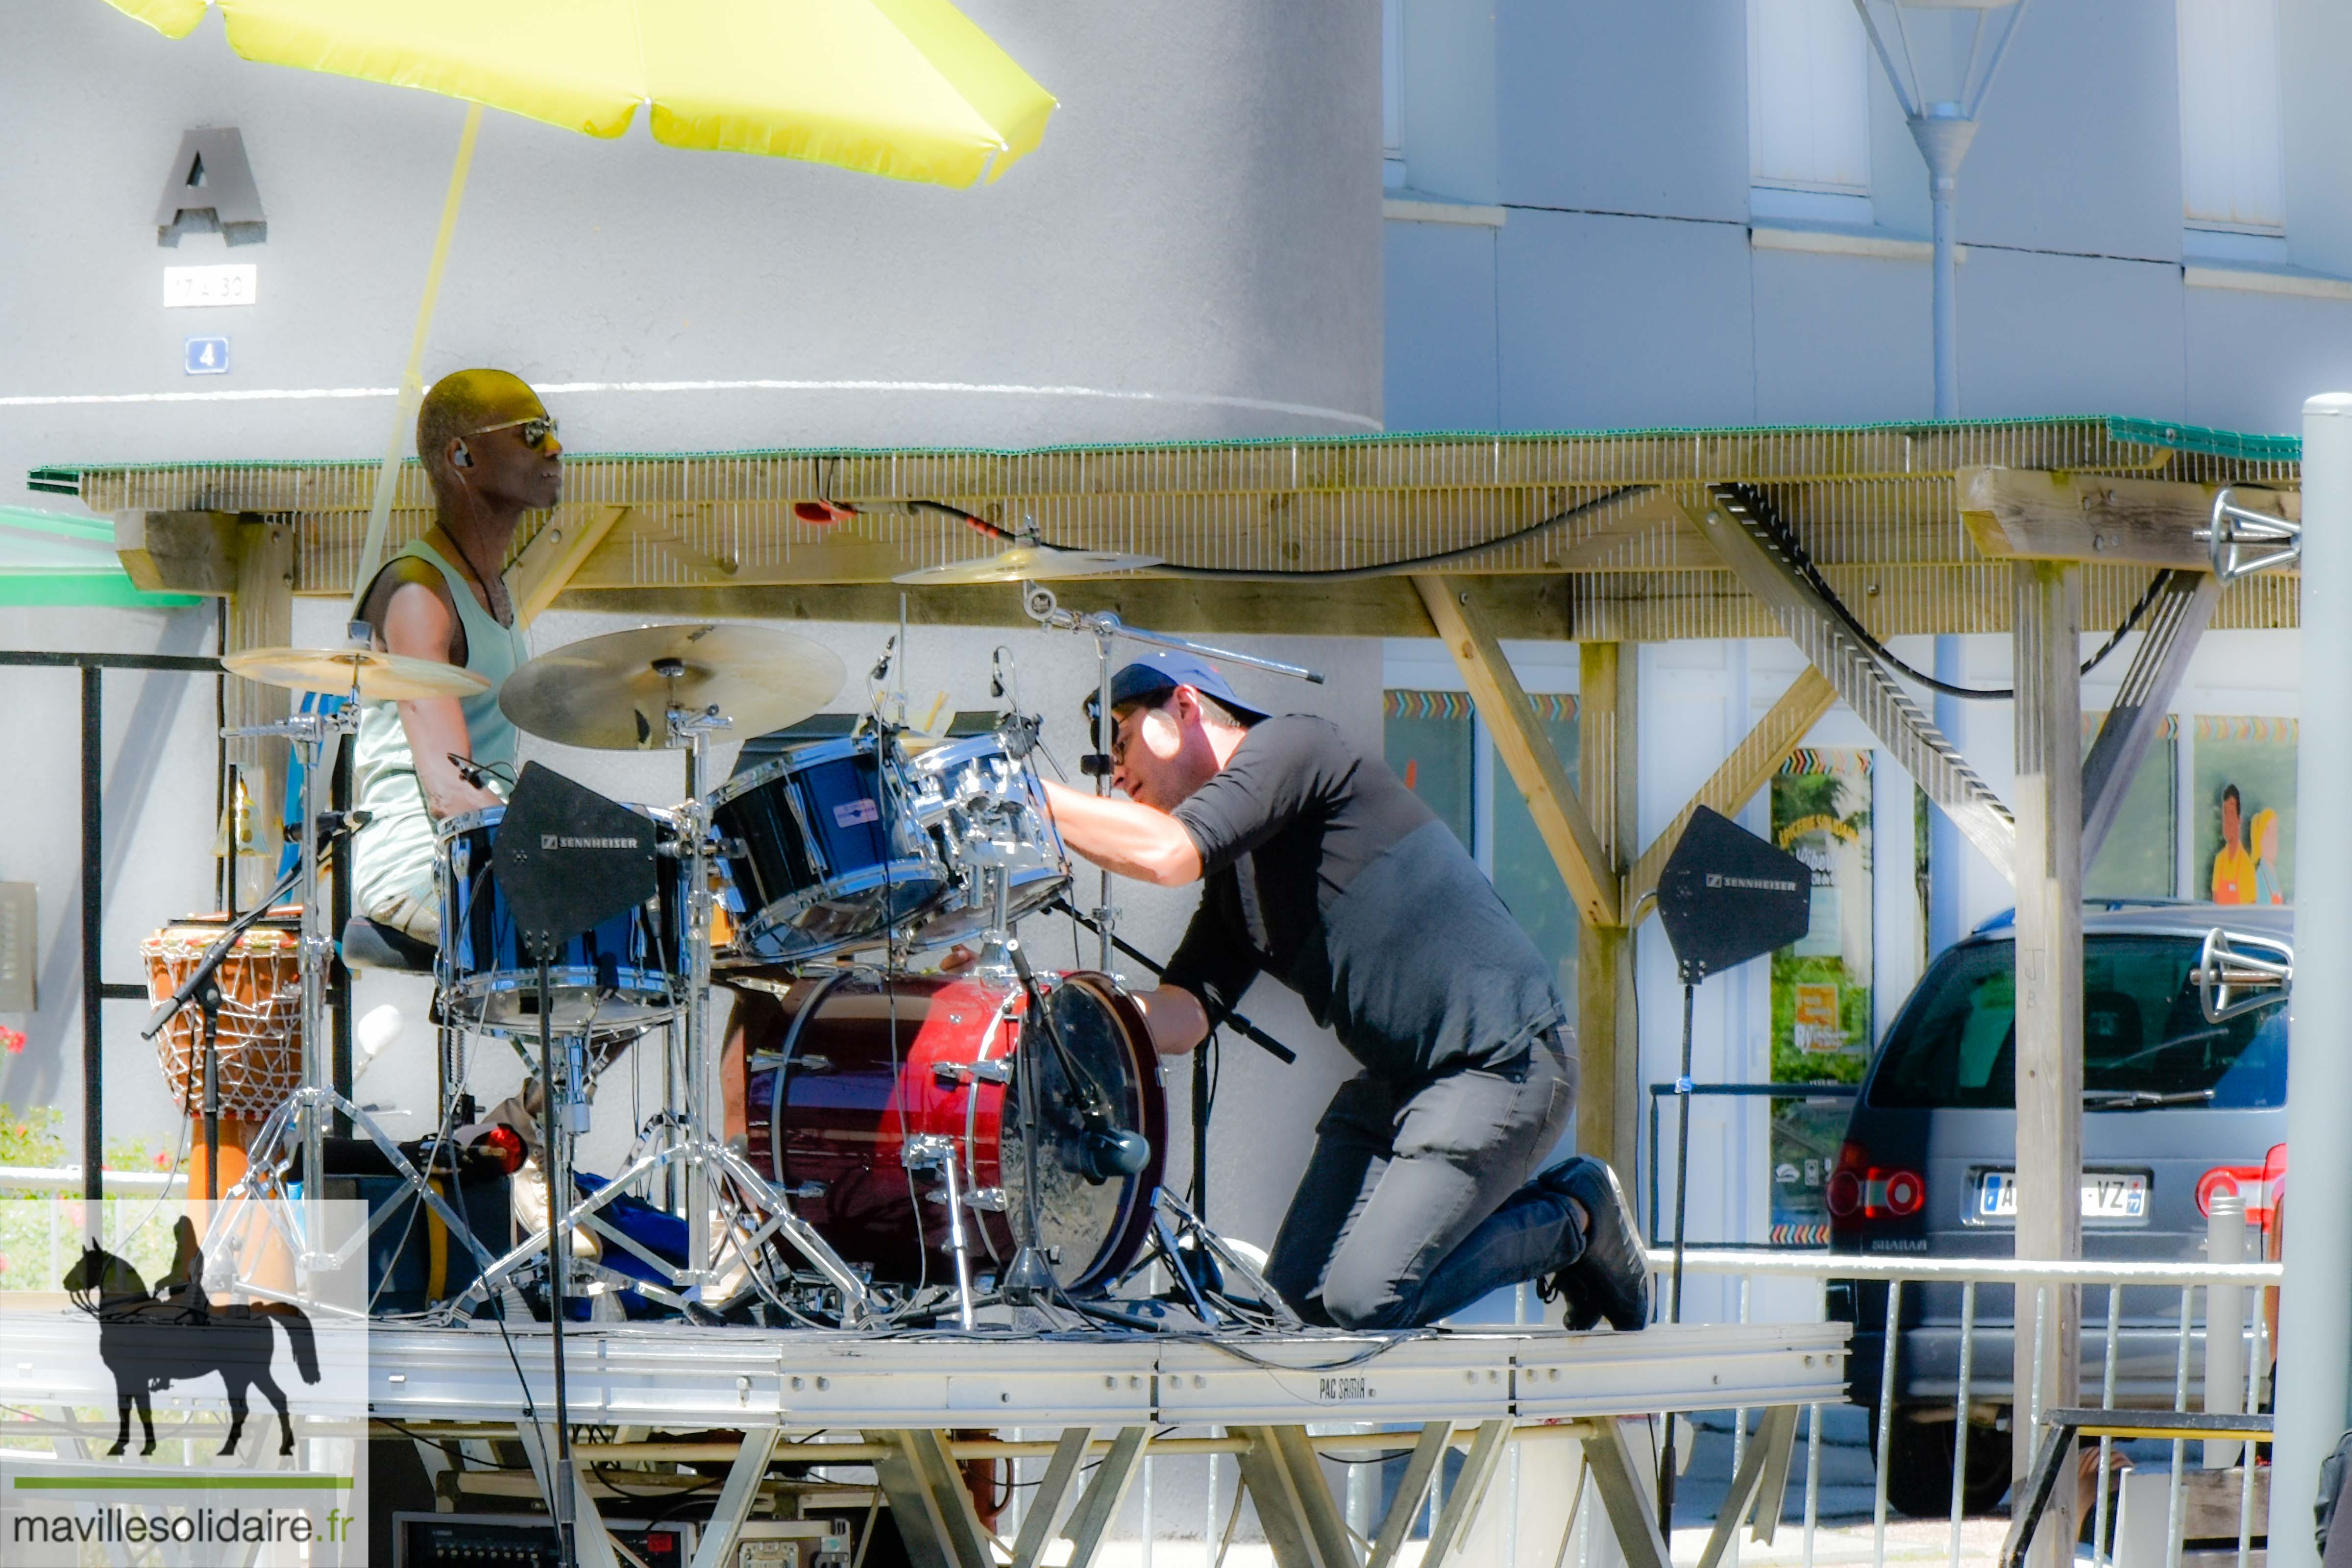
(2233, 1294)
(1186, 1508)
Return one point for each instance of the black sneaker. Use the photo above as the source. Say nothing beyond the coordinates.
(1611, 1279)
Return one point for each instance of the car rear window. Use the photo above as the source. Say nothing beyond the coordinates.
(1955, 1045)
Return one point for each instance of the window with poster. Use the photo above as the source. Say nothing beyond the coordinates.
(2245, 810)
(1821, 983)
(1436, 745)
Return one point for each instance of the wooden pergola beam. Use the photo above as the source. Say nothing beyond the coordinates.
(546, 567)
(1751, 764)
(2036, 514)
(1527, 752)
(181, 552)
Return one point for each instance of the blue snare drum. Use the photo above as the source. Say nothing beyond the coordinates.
(627, 974)
(823, 852)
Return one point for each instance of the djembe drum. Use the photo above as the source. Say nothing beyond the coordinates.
(259, 1042)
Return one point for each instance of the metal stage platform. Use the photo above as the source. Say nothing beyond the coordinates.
(916, 1400)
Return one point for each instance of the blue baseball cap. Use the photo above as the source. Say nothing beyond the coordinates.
(1150, 676)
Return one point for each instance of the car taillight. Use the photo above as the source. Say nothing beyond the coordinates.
(2260, 1185)
(1860, 1189)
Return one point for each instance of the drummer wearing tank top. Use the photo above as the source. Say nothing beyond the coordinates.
(490, 450)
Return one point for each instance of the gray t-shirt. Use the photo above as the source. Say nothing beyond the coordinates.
(1320, 867)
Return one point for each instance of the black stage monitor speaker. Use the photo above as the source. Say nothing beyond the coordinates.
(568, 860)
(1728, 895)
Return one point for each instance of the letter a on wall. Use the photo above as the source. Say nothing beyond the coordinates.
(210, 187)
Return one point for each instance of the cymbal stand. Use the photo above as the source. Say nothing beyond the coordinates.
(714, 1173)
(301, 1123)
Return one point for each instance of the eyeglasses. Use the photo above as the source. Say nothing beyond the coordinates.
(537, 430)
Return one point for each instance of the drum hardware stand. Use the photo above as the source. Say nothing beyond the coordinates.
(709, 1165)
(936, 1152)
(562, 1115)
(1173, 1223)
(300, 1120)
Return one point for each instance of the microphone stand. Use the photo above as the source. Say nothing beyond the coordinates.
(1248, 1031)
(201, 990)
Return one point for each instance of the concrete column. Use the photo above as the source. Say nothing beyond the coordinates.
(2314, 1353)
(2047, 633)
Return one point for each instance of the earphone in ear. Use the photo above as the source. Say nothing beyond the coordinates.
(462, 458)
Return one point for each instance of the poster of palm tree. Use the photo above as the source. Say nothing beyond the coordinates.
(1821, 983)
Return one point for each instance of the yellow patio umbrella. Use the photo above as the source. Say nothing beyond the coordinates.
(907, 89)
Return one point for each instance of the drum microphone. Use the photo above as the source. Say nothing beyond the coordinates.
(478, 778)
(1019, 732)
(1105, 1148)
(1110, 1152)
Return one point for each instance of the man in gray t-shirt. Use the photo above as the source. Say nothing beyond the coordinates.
(1319, 868)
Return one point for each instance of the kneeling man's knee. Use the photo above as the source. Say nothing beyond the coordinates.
(1358, 1300)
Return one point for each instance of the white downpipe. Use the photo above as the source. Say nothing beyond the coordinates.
(2316, 1313)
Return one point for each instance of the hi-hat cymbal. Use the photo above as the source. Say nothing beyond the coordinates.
(1029, 563)
(611, 692)
(381, 677)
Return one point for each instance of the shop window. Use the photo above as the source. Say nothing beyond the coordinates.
(2243, 810)
(2232, 178)
(1820, 983)
(2140, 858)
(1435, 743)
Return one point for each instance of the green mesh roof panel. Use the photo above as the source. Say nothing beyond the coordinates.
(63, 478)
(2203, 438)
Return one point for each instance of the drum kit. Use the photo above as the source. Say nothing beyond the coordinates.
(915, 1146)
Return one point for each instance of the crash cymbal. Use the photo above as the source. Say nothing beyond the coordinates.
(1029, 563)
(611, 692)
(381, 677)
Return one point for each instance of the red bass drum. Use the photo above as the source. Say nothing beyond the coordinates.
(841, 1072)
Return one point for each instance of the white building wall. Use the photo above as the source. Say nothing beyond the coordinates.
(1193, 251)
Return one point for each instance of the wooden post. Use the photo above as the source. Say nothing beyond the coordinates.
(1608, 1114)
(1592, 874)
(2047, 636)
(261, 615)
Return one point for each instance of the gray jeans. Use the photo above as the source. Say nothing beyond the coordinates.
(1415, 1202)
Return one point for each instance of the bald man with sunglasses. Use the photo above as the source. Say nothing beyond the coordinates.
(488, 447)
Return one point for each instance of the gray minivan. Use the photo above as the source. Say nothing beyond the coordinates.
(2173, 1105)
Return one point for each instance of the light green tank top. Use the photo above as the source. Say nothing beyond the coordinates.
(394, 853)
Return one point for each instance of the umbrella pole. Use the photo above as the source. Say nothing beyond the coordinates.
(412, 379)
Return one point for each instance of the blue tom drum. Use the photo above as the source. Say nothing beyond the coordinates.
(627, 974)
(823, 852)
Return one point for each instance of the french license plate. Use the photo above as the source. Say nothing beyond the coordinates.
(2106, 1194)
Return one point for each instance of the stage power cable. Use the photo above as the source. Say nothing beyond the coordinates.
(1750, 499)
(1323, 575)
(1753, 503)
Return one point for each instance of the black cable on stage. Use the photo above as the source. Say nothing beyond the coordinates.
(1759, 506)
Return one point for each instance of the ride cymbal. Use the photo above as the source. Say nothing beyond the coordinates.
(611, 692)
(1028, 562)
(379, 677)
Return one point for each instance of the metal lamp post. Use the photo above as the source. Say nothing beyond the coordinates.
(1941, 65)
